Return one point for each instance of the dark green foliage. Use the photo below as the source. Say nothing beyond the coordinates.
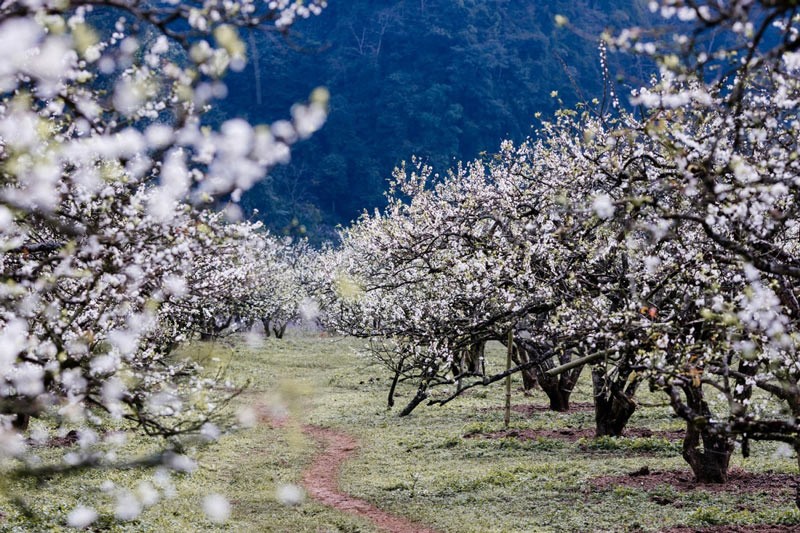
(441, 79)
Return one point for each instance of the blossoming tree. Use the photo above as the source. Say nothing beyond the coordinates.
(658, 243)
(107, 255)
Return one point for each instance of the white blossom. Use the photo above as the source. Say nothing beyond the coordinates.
(81, 517)
(217, 508)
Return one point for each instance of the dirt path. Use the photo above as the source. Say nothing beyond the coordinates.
(321, 480)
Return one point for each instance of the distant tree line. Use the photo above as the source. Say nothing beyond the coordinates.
(440, 79)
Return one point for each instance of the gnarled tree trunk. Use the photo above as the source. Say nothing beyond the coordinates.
(613, 401)
(710, 462)
(470, 362)
(279, 331)
(422, 389)
(21, 422)
(474, 357)
(797, 482)
(558, 388)
(267, 326)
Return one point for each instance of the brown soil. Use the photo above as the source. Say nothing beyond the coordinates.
(321, 478)
(530, 409)
(275, 421)
(572, 434)
(321, 482)
(775, 484)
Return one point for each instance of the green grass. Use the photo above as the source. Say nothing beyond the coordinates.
(419, 467)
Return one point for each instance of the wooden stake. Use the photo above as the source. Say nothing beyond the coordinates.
(507, 418)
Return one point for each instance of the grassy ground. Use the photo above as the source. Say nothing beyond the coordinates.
(420, 467)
